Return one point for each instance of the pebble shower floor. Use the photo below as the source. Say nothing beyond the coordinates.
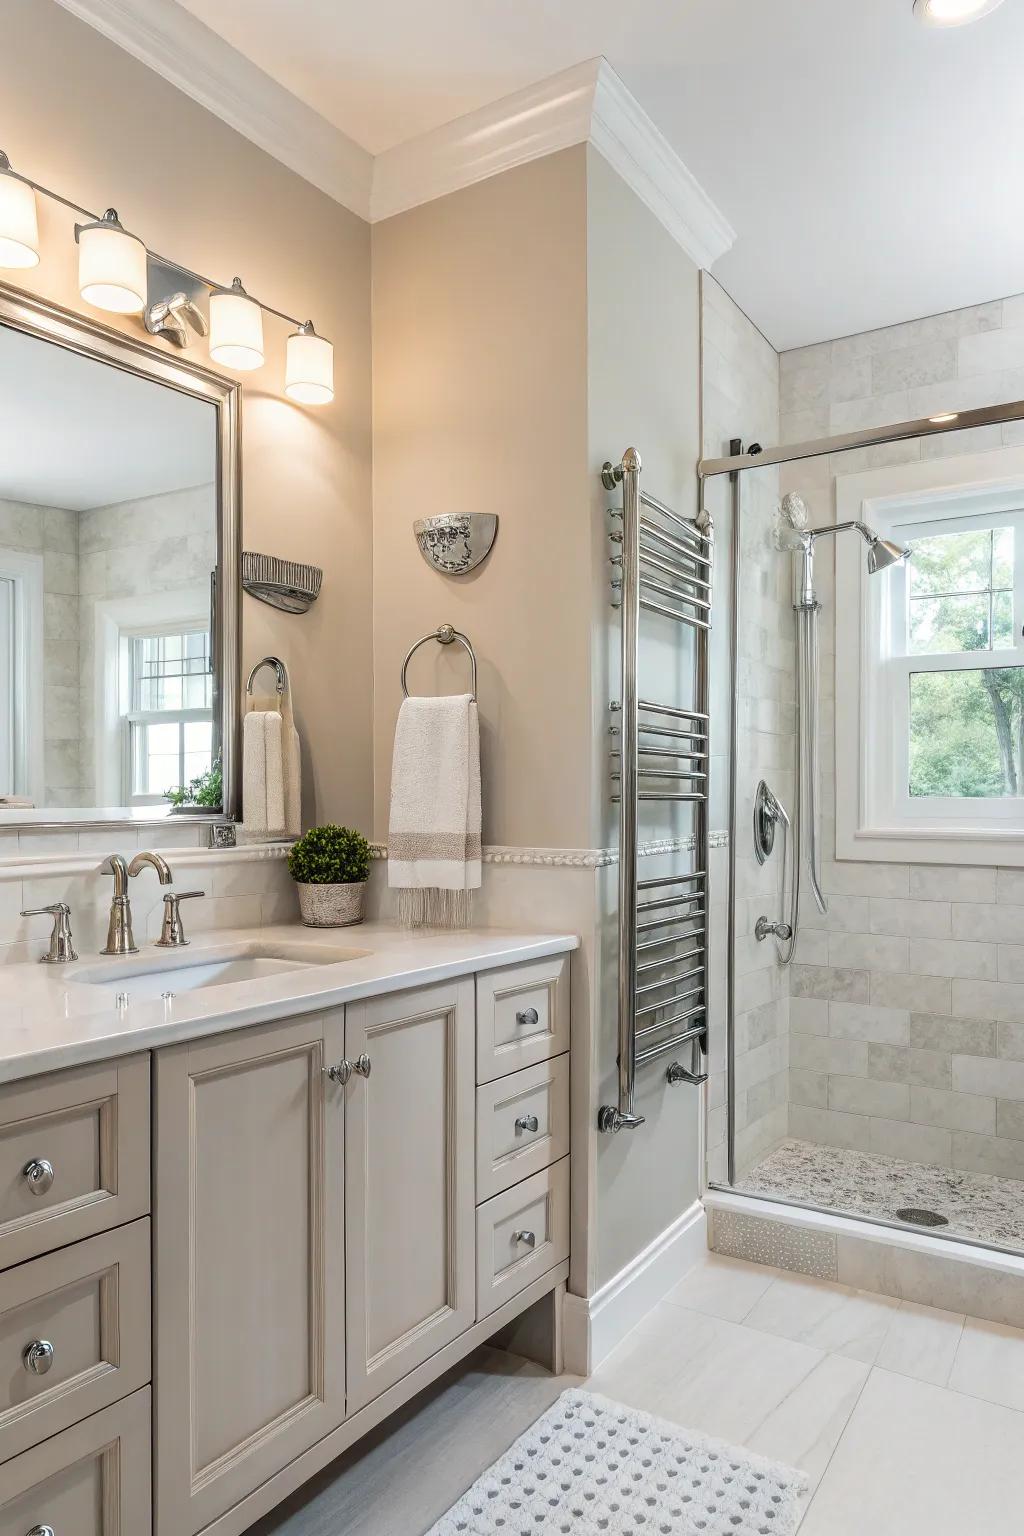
(590, 1467)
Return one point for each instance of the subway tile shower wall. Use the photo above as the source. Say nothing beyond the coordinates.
(741, 399)
(907, 1013)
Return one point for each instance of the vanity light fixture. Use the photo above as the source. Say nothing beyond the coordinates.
(111, 266)
(19, 229)
(309, 367)
(952, 13)
(236, 328)
(114, 273)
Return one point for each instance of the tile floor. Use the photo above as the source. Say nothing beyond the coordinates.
(980, 1206)
(907, 1420)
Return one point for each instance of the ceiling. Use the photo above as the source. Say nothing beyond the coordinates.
(77, 433)
(871, 167)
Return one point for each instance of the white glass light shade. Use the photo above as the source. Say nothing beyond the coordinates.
(111, 266)
(952, 13)
(236, 328)
(309, 367)
(19, 230)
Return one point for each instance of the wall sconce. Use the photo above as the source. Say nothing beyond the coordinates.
(309, 367)
(114, 269)
(111, 266)
(236, 328)
(19, 229)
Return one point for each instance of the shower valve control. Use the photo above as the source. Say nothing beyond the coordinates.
(763, 929)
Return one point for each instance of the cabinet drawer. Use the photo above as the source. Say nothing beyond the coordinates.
(84, 1311)
(74, 1156)
(506, 1260)
(92, 1480)
(522, 1125)
(522, 1016)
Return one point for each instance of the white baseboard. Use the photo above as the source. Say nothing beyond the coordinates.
(593, 1327)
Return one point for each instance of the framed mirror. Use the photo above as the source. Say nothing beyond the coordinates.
(119, 576)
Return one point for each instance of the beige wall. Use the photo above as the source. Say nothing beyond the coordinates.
(84, 117)
(479, 397)
(643, 391)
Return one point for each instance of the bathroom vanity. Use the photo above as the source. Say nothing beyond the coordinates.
(242, 1220)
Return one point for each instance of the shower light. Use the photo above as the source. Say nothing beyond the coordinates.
(111, 266)
(952, 13)
(309, 367)
(19, 231)
(236, 328)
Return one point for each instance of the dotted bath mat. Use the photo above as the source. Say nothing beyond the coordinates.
(590, 1467)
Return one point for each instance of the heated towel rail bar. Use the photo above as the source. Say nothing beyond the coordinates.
(661, 564)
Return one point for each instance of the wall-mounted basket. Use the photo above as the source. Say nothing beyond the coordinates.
(456, 542)
(283, 584)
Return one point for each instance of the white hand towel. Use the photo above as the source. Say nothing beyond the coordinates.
(434, 837)
(283, 745)
(254, 774)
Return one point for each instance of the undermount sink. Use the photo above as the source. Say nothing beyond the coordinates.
(146, 976)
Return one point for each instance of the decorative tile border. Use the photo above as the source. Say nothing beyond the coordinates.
(577, 858)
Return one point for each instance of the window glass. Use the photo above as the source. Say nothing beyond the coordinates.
(967, 732)
(960, 590)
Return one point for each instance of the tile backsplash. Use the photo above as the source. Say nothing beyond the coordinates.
(245, 887)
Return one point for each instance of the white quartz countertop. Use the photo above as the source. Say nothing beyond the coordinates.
(52, 1017)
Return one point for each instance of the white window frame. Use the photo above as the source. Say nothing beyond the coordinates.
(136, 717)
(876, 817)
(185, 608)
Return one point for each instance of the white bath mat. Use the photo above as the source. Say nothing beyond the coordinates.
(590, 1467)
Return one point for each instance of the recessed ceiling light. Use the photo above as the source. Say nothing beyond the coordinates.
(952, 13)
(943, 417)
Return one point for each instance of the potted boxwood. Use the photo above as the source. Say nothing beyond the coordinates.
(330, 865)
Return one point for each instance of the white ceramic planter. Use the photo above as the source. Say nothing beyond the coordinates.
(331, 906)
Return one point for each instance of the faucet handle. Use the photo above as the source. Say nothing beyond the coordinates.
(172, 932)
(62, 948)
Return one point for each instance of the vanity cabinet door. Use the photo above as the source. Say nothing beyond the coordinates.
(409, 1169)
(249, 1261)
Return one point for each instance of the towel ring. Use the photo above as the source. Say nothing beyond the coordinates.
(444, 635)
(278, 666)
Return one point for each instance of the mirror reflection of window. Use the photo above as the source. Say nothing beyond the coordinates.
(108, 540)
(167, 709)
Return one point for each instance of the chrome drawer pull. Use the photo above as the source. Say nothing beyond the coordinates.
(529, 1238)
(340, 1072)
(362, 1065)
(42, 1530)
(38, 1357)
(528, 1016)
(527, 1123)
(39, 1175)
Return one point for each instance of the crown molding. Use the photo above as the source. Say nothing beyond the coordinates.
(554, 114)
(175, 44)
(585, 104)
(622, 132)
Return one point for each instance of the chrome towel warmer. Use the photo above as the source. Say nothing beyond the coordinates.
(662, 564)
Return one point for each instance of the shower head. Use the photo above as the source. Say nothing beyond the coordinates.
(882, 553)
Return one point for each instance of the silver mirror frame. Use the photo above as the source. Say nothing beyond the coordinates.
(38, 317)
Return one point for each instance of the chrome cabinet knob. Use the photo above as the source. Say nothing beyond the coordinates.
(39, 1175)
(528, 1238)
(340, 1072)
(362, 1065)
(528, 1016)
(41, 1530)
(527, 1123)
(38, 1357)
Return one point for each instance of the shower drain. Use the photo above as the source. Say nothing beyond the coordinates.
(921, 1218)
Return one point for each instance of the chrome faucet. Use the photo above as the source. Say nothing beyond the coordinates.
(62, 945)
(120, 939)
